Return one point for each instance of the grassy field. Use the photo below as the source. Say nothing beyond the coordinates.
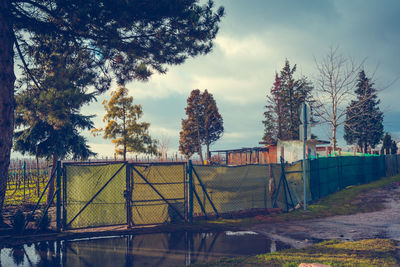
(369, 252)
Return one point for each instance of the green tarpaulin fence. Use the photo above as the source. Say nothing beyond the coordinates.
(94, 195)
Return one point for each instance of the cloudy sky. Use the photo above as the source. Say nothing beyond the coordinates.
(254, 40)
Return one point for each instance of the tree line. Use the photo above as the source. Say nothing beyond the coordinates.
(342, 95)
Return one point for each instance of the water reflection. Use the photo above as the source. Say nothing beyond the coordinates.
(170, 249)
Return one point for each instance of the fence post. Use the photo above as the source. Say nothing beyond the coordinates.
(58, 211)
(190, 171)
(24, 171)
(128, 195)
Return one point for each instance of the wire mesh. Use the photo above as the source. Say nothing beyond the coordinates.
(158, 194)
(95, 195)
(242, 188)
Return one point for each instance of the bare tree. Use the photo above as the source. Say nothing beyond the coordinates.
(163, 146)
(334, 87)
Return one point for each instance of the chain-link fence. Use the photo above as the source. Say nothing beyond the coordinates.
(241, 188)
(116, 193)
(158, 193)
(94, 194)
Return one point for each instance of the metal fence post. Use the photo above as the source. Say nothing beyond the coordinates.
(24, 174)
(58, 184)
(190, 171)
(58, 211)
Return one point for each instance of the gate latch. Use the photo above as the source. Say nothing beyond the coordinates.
(126, 193)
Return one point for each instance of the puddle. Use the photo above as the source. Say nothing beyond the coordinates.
(169, 249)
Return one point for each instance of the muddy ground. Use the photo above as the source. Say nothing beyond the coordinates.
(379, 224)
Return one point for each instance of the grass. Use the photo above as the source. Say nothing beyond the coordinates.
(369, 252)
(15, 195)
(351, 200)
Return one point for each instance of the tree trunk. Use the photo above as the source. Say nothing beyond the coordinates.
(7, 79)
(50, 191)
(208, 152)
(334, 138)
(199, 143)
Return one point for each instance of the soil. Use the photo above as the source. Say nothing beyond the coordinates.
(380, 224)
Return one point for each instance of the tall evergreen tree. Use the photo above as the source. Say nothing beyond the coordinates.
(129, 40)
(123, 127)
(389, 146)
(364, 120)
(203, 126)
(283, 104)
(50, 118)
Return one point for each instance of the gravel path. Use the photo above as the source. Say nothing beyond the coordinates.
(379, 224)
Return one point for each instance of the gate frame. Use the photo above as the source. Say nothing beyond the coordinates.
(183, 216)
(65, 225)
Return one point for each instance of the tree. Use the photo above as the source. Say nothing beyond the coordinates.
(364, 120)
(163, 146)
(192, 130)
(389, 146)
(282, 120)
(334, 86)
(213, 122)
(123, 127)
(188, 141)
(50, 118)
(130, 39)
(203, 126)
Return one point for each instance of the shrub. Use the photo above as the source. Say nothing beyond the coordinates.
(18, 221)
(42, 220)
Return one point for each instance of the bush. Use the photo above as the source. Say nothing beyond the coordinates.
(42, 220)
(18, 221)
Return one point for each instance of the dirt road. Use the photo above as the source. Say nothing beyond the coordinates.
(379, 224)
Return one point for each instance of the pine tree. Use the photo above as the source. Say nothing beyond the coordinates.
(123, 128)
(364, 120)
(389, 146)
(50, 118)
(283, 104)
(129, 40)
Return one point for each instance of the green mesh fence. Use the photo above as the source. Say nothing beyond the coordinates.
(94, 194)
(158, 193)
(82, 183)
(329, 175)
(239, 188)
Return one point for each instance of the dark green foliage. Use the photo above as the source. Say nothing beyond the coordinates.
(389, 146)
(203, 126)
(364, 120)
(42, 221)
(130, 39)
(49, 116)
(283, 104)
(18, 221)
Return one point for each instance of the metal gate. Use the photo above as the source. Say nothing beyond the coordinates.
(158, 193)
(119, 193)
(93, 194)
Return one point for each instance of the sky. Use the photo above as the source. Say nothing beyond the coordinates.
(255, 38)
